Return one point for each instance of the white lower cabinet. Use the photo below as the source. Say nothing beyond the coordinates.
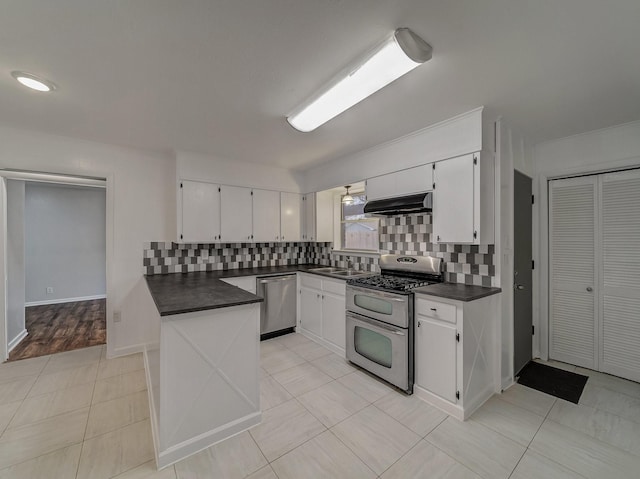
(321, 310)
(311, 310)
(456, 352)
(436, 344)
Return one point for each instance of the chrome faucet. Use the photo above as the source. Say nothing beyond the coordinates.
(349, 263)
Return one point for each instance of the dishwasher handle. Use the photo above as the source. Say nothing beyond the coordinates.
(276, 279)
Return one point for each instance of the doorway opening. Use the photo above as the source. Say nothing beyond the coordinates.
(55, 266)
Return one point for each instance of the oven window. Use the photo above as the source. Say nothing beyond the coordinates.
(370, 303)
(373, 346)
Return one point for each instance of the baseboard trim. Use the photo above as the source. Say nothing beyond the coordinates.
(64, 300)
(187, 448)
(15, 341)
(125, 351)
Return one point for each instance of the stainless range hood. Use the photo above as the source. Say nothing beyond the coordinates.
(419, 203)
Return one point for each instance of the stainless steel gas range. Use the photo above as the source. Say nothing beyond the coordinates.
(379, 316)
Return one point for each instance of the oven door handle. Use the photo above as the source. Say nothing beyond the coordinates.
(376, 294)
(376, 324)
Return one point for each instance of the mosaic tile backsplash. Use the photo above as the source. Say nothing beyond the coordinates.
(412, 235)
(402, 234)
(168, 257)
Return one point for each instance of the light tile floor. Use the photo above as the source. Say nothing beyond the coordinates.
(79, 415)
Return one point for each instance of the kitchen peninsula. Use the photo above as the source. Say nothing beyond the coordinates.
(203, 364)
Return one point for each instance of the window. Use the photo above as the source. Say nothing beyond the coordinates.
(358, 230)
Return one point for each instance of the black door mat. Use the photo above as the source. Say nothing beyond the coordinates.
(557, 382)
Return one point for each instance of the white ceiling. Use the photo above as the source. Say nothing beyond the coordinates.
(219, 76)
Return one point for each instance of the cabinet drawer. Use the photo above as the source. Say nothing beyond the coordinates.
(311, 281)
(335, 287)
(436, 310)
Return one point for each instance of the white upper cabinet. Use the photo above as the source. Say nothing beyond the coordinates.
(400, 183)
(463, 200)
(324, 217)
(236, 213)
(209, 213)
(200, 212)
(266, 216)
(290, 216)
(309, 217)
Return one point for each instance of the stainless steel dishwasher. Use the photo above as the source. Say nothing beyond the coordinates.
(278, 311)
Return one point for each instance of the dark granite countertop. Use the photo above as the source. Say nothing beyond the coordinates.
(177, 293)
(459, 292)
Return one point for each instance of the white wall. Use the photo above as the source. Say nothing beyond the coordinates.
(65, 242)
(447, 139)
(194, 166)
(15, 262)
(596, 151)
(140, 207)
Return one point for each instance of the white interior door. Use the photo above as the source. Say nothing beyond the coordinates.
(572, 266)
(620, 284)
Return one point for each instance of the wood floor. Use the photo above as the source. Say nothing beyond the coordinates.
(55, 328)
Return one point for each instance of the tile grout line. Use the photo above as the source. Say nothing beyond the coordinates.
(533, 437)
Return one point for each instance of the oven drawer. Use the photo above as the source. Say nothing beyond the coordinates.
(436, 310)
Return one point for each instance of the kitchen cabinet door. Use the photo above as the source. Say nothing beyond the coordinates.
(236, 214)
(400, 183)
(435, 357)
(200, 221)
(324, 216)
(453, 200)
(266, 216)
(309, 217)
(311, 310)
(290, 216)
(333, 319)
(463, 199)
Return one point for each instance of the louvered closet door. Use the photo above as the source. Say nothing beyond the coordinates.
(620, 287)
(573, 300)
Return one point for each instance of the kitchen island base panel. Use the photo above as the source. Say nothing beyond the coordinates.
(203, 378)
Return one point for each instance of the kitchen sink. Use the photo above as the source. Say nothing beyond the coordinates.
(350, 273)
(339, 272)
(329, 270)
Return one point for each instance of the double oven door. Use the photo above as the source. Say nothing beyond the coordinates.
(379, 336)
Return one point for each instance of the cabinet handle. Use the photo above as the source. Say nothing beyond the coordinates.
(323, 296)
(434, 309)
(283, 237)
(418, 323)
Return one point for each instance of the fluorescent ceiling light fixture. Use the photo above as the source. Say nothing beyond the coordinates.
(347, 199)
(33, 81)
(400, 53)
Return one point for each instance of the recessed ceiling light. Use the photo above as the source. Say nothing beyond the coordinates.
(33, 81)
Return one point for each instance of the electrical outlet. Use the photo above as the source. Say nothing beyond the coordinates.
(117, 317)
(49, 290)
